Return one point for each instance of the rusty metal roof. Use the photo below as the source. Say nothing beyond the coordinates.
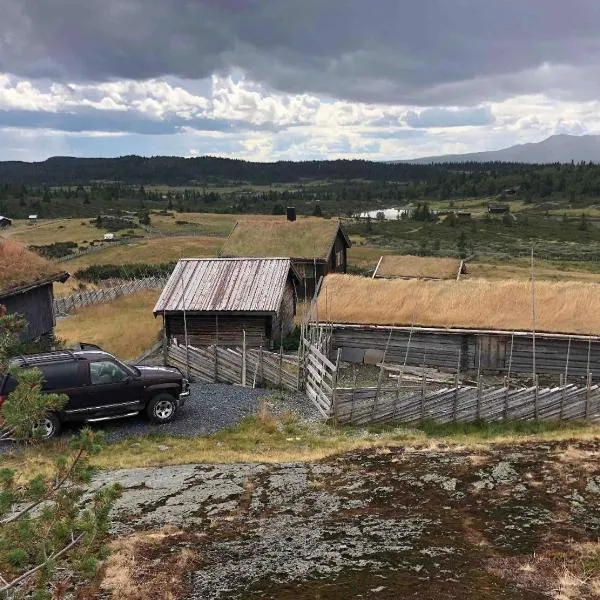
(226, 285)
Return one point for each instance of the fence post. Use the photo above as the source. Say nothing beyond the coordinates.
(562, 397)
(334, 385)
(536, 412)
(300, 383)
(455, 401)
(479, 390)
(587, 395)
(423, 385)
(506, 395)
(280, 367)
(260, 366)
(244, 359)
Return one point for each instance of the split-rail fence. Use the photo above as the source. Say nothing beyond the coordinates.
(69, 304)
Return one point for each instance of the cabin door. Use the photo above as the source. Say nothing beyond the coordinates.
(493, 351)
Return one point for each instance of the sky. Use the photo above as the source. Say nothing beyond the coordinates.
(267, 80)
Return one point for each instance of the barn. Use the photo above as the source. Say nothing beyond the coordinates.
(26, 288)
(217, 300)
(316, 246)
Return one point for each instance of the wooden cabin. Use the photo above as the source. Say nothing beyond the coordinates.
(316, 246)
(214, 301)
(26, 288)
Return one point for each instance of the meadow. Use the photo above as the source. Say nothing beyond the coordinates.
(125, 327)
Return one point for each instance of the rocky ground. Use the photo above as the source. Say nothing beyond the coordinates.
(511, 522)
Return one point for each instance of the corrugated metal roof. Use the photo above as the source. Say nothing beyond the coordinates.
(226, 285)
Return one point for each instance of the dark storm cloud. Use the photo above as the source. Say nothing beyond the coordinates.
(432, 52)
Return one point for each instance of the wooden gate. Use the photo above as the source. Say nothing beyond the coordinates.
(317, 374)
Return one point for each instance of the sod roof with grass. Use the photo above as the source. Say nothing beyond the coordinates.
(561, 307)
(20, 267)
(304, 239)
(418, 267)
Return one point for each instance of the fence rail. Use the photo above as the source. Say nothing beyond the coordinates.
(466, 404)
(252, 367)
(65, 306)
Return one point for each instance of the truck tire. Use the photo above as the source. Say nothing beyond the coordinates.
(162, 408)
(49, 427)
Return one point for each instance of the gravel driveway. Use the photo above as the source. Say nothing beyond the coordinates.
(211, 407)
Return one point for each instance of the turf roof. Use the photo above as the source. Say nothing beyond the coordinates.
(304, 238)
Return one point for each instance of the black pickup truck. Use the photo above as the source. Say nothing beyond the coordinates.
(100, 387)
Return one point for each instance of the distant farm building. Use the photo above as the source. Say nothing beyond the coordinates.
(419, 267)
(316, 246)
(26, 281)
(214, 301)
(5, 222)
(32, 218)
(498, 209)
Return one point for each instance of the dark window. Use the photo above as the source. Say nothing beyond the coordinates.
(9, 385)
(60, 375)
(106, 372)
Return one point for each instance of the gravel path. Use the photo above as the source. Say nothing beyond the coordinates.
(211, 407)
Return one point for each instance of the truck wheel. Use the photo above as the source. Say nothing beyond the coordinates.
(49, 427)
(162, 408)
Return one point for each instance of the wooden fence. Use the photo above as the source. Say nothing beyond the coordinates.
(252, 367)
(465, 404)
(65, 306)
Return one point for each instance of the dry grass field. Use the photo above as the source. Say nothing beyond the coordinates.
(365, 257)
(207, 223)
(567, 307)
(305, 238)
(425, 267)
(19, 265)
(124, 327)
(56, 230)
(523, 272)
(150, 251)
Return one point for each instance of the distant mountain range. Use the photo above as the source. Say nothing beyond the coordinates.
(555, 149)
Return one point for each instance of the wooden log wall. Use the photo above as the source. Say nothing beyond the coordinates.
(469, 351)
(466, 404)
(203, 330)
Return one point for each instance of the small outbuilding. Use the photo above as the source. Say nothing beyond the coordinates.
(32, 219)
(26, 288)
(316, 246)
(217, 300)
(5, 222)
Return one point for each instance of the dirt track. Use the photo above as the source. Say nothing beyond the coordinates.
(375, 524)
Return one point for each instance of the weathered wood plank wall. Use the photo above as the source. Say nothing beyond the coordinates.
(469, 351)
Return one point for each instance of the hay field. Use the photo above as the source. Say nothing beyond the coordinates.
(207, 223)
(521, 271)
(19, 265)
(365, 257)
(305, 238)
(426, 267)
(124, 327)
(570, 307)
(56, 230)
(151, 251)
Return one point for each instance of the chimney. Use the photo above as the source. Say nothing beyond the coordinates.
(291, 213)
